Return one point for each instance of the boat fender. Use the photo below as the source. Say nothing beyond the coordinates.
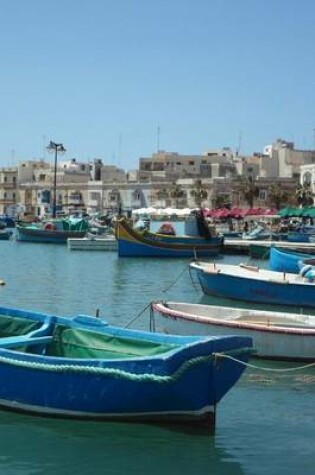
(305, 270)
(49, 226)
(310, 275)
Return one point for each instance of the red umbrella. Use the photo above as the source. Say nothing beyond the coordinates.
(221, 213)
(251, 212)
(236, 213)
(270, 212)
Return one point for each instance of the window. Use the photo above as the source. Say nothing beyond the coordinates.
(307, 178)
(262, 195)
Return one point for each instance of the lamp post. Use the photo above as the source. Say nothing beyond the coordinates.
(56, 148)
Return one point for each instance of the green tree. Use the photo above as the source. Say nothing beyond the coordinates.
(198, 192)
(304, 195)
(277, 195)
(249, 191)
(222, 201)
(176, 193)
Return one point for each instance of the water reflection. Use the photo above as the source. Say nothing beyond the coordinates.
(31, 445)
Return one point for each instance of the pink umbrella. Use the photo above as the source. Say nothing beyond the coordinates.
(221, 213)
(236, 213)
(270, 212)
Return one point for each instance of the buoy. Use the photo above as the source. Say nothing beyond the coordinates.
(2, 282)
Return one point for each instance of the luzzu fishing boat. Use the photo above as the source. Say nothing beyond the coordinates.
(81, 367)
(135, 243)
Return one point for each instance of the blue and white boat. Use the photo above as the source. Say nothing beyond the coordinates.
(288, 261)
(253, 284)
(82, 367)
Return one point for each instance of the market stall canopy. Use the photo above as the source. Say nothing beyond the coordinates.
(290, 212)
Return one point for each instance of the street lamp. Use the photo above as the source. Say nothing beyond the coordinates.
(56, 148)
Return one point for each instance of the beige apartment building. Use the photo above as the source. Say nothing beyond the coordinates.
(95, 187)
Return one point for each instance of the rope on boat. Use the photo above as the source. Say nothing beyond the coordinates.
(110, 372)
(178, 277)
(195, 286)
(137, 316)
(275, 370)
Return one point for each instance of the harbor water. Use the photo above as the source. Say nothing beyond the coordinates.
(265, 424)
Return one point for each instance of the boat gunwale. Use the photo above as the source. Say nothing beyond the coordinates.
(160, 307)
(260, 275)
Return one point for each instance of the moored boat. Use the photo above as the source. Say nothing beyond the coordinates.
(103, 242)
(276, 335)
(82, 367)
(134, 243)
(288, 261)
(254, 284)
(55, 231)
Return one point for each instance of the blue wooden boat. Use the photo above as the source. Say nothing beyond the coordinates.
(288, 261)
(55, 231)
(253, 284)
(134, 243)
(82, 367)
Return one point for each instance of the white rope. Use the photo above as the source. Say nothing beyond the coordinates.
(275, 370)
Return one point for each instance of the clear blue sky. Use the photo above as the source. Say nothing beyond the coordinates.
(101, 76)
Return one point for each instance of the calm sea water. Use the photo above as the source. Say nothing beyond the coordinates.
(265, 424)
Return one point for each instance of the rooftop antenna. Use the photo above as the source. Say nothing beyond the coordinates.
(44, 147)
(158, 138)
(119, 149)
(239, 143)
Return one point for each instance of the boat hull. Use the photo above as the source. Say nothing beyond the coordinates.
(277, 290)
(132, 243)
(42, 235)
(134, 388)
(92, 244)
(271, 340)
(285, 261)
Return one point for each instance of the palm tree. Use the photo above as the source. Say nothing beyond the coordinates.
(249, 190)
(198, 192)
(222, 201)
(304, 195)
(277, 195)
(176, 193)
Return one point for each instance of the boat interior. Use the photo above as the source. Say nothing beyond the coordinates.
(58, 340)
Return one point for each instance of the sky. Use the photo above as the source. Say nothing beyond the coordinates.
(121, 79)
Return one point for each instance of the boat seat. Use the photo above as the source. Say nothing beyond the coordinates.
(249, 267)
(23, 340)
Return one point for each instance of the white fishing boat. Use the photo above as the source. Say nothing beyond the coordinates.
(105, 242)
(276, 335)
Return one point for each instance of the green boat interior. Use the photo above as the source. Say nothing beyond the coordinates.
(63, 341)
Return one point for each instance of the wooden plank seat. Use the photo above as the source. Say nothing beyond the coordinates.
(23, 340)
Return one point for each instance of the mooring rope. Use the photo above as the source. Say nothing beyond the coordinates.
(137, 316)
(178, 277)
(275, 370)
